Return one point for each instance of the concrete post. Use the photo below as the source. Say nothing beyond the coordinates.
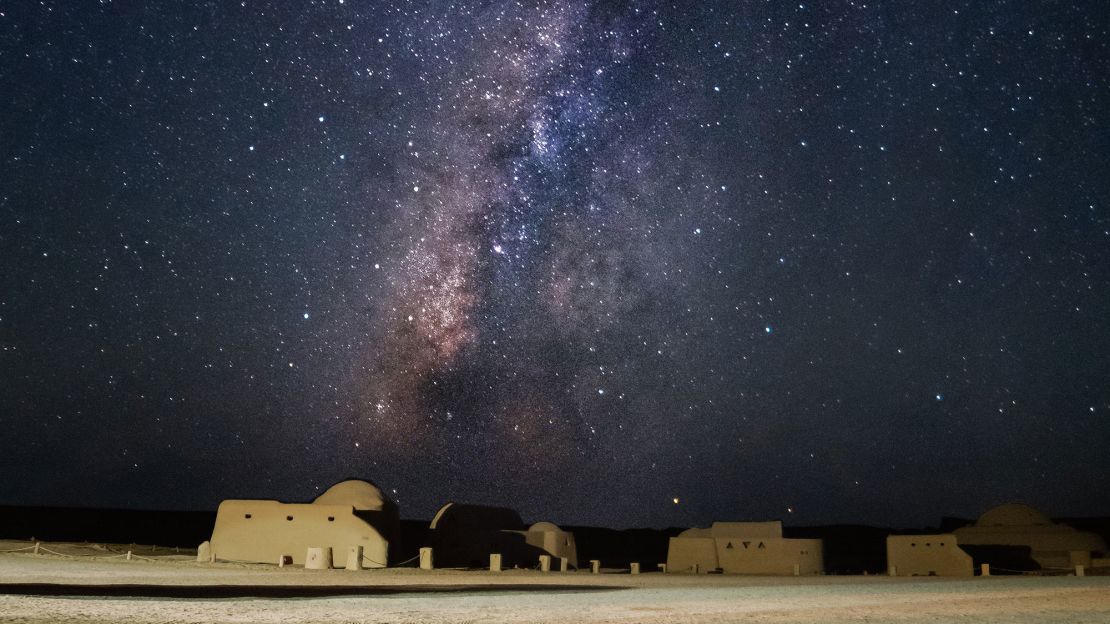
(495, 562)
(595, 566)
(634, 567)
(564, 564)
(426, 561)
(354, 558)
(37, 547)
(129, 555)
(204, 552)
(318, 558)
(985, 569)
(1080, 571)
(545, 563)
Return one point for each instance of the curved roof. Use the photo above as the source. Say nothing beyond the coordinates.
(1013, 514)
(463, 517)
(362, 495)
(544, 527)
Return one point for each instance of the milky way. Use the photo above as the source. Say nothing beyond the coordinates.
(840, 262)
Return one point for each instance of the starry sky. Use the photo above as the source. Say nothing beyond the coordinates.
(625, 263)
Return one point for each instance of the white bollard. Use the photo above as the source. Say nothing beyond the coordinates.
(354, 558)
(595, 566)
(634, 567)
(426, 561)
(129, 555)
(318, 558)
(204, 552)
(564, 564)
(545, 563)
(985, 569)
(37, 547)
(495, 562)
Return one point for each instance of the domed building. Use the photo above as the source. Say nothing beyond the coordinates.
(350, 513)
(464, 536)
(1050, 544)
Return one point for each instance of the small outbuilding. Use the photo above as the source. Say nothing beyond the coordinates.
(350, 513)
(1050, 544)
(744, 548)
(927, 555)
(464, 536)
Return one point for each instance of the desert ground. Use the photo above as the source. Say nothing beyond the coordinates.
(410, 595)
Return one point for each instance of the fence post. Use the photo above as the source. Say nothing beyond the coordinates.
(354, 557)
(495, 562)
(595, 566)
(426, 561)
(985, 569)
(318, 558)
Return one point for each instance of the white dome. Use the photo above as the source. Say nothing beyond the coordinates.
(361, 495)
(1013, 514)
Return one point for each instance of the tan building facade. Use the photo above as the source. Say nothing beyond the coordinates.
(927, 555)
(744, 548)
(351, 513)
(1050, 544)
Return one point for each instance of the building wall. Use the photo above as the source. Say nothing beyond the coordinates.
(745, 555)
(769, 555)
(927, 555)
(262, 531)
(686, 552)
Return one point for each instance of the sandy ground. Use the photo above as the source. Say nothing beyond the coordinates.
(643, 598)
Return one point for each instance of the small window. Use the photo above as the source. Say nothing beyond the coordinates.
(247, 516)
(761, 544)
(289, 518)
(942, 543)
(729, 546)
(927, 544)
(331, 518)
(914, 544)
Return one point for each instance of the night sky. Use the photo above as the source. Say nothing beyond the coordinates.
(829, 262)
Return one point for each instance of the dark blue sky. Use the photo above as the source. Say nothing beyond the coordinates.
(840, 262)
